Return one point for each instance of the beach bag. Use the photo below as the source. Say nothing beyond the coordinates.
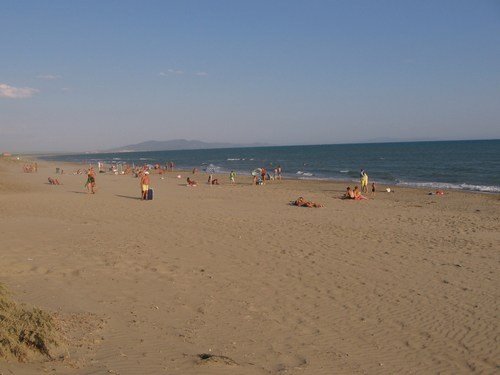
(150, 195)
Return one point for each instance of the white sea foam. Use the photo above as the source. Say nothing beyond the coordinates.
(344, 171)
(444, 185)
(301, 173)
(212, 168)
(233, 159)
(314, 178)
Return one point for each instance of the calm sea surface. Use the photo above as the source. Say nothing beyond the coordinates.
(466, 165)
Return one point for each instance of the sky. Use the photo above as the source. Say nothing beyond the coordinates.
(91, 75)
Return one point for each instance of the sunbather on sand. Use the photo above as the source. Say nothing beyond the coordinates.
(301, 202)
(54, 181)
(349, 194)
(190, 182)
(357, 194)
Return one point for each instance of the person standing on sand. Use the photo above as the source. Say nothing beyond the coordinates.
(364, 182)
(145, 185)
(373, 189)
(90, 184)
(278, 170)
(232, 177)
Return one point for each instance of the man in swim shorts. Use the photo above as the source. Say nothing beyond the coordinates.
(90, 184)
(145, 185)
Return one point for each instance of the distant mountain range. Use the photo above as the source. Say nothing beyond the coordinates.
(179, 144)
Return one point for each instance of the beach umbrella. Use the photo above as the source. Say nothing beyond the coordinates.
(257, 172)
(211, 169)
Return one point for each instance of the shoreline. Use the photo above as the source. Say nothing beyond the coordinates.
(433, 186)
(458, 165)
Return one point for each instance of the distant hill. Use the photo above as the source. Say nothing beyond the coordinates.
(179, 144)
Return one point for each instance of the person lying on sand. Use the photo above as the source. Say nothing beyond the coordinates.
(190, 182)
(54, 181)
(301, 202)
(357, 194)
(348, 194)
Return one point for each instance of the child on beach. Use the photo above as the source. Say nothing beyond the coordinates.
(232, 177)
(373, 189)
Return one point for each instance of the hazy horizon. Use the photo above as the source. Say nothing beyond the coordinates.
(236, 146)
(85, 76)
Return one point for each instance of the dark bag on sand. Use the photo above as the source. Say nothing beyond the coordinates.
(150, 195)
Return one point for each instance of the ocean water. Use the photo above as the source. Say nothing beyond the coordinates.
(465, 165)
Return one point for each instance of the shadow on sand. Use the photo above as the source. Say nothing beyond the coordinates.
(128, 197)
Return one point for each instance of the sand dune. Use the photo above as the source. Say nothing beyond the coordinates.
(233, 280)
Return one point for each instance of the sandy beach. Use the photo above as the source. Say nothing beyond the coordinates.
(233, 280)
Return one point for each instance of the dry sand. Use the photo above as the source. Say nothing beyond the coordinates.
(405, 283)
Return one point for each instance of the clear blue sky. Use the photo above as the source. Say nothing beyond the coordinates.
(86, 75)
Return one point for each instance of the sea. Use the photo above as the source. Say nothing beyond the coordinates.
(463, 165)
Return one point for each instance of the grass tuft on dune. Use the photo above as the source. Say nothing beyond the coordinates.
(26, 333)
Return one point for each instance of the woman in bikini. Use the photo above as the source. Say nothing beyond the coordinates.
(357, 194)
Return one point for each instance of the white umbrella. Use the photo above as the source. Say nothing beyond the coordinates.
(257, 172)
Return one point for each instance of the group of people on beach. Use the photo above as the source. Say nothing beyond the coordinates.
(143, 173)
(356, 193)
(261, 175)
(30, 168)
(353, 194)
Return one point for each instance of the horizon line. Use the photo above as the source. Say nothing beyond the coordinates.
(14, 153)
